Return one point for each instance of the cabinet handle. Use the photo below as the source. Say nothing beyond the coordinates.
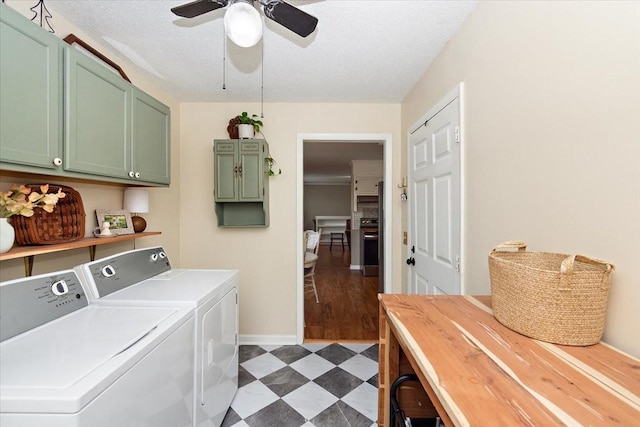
(57, 161)
(131, 174)
(137, 174)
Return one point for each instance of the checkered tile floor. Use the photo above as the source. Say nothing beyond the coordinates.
(309, 385)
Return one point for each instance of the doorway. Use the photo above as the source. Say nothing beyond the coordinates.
(383, 139)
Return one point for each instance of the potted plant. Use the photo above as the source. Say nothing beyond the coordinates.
(248, 126)
(270, 163)
(20, 200)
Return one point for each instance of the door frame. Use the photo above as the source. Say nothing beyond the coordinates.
(456, 93)
(386, 140)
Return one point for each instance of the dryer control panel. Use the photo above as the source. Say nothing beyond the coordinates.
(33, 301)
(111, 274)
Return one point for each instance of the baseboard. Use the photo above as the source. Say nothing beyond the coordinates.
(267, 340)
(354, 267)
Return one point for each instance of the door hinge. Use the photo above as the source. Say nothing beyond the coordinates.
(458, 263)
(456, 134)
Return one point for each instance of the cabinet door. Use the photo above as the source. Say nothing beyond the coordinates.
(31, 92)
(366, 186)
(150, 139)
(97, 107)
(252, 174)
(226, 160)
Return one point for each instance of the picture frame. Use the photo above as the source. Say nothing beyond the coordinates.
(119, 219)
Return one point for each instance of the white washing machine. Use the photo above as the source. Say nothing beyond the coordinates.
(66, 363)
(144, 277)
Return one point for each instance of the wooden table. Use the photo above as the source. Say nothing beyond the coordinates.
(477, 372)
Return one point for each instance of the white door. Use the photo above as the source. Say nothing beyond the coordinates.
(434, 204)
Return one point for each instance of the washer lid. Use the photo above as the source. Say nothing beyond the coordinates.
(176, 287)
(62, 365)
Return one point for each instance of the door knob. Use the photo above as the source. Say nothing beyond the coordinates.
(411, 261)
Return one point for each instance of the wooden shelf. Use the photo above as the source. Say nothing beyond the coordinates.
(28, 252)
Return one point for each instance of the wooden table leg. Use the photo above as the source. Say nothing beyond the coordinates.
(388, 368)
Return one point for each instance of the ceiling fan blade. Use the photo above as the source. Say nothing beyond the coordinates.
(290, 17)
(198, 7)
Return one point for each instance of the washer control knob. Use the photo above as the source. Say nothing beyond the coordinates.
(154, 257)
(108, 271)
(162, 255)
(59, 288)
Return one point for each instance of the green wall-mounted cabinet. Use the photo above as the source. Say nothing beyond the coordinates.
(150, 152)
(241, 189)
(98, 106)
(64, 113)
(113, 128)
(30, 94)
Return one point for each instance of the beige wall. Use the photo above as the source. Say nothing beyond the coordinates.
(266, 257)
(163, 202)
(551, 137)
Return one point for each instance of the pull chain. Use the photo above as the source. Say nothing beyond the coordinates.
(262, 81)
(224, 60)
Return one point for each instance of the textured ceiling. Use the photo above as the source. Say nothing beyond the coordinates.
(362, 50)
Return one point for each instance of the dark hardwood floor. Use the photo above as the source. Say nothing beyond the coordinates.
(348, 308)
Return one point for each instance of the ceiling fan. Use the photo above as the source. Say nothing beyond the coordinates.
(244, 16)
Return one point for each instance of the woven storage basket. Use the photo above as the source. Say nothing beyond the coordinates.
(551, 297)
(64, 224)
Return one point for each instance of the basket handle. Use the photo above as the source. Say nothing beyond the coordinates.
(566, 270)
(510, 244)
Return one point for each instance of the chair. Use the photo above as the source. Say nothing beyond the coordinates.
(311, 246)
(347, 232)
(338, 237)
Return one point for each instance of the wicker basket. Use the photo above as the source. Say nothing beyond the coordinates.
(64, 224)
(551, 297)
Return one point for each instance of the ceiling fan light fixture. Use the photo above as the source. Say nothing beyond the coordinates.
(243, 23)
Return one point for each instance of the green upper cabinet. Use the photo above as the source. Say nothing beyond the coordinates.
(64, 113)
(113, 128)
(150, 138)
(241, 190)
(239, 169)
(97, 110)
(30, 94)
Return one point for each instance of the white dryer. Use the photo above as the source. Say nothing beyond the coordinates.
(66, 363)
(144, 277)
